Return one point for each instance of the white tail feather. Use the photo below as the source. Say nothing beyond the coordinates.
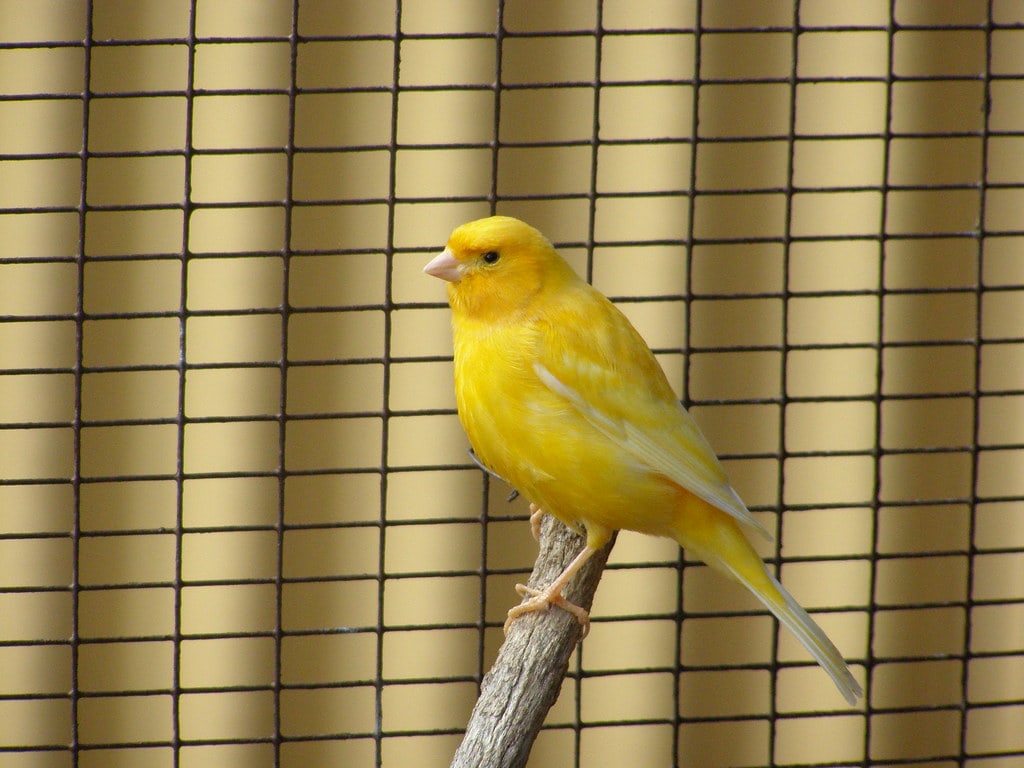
(803, 627)
(814, 639)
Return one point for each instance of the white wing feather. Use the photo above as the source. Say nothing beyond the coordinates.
(698, 471)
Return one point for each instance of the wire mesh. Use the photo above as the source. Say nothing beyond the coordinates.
(237, 521)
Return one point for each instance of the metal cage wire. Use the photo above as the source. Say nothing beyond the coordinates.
(238, 522)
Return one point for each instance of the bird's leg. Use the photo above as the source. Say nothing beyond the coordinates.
(542, 599)
(536, 515)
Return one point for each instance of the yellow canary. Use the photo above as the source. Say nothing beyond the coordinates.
(561, 396)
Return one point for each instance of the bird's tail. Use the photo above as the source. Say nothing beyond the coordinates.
(727, 550)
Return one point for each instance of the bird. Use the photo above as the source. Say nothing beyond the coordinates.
(560, 396)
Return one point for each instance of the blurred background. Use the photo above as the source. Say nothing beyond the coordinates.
(238, 522)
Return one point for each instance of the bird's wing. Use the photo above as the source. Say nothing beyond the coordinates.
(598, 363)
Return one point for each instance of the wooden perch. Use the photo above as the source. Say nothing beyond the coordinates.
(524, 682)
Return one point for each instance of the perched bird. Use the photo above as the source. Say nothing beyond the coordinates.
(560, 395)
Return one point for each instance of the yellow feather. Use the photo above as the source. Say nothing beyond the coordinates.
(560, 395)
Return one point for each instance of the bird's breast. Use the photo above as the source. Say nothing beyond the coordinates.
(495, 392)
(538, 442)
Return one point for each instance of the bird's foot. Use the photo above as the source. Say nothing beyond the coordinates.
(536, 516)
(542, 600)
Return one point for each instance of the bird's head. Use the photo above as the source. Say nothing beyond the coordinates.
(495, 266)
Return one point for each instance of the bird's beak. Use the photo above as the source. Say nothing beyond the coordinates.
(445, 266)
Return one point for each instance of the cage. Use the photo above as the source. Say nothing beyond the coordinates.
(238, 522)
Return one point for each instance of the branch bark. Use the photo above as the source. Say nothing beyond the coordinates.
(524, 682)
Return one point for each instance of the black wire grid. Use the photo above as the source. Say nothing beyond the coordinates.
(56, 554)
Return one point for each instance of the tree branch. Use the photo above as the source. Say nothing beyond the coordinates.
(526, 677)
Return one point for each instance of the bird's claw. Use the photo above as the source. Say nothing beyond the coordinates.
(542, 600)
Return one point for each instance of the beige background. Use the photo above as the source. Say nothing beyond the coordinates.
(882, 349)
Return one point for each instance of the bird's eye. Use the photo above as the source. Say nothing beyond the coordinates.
(491, 257)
